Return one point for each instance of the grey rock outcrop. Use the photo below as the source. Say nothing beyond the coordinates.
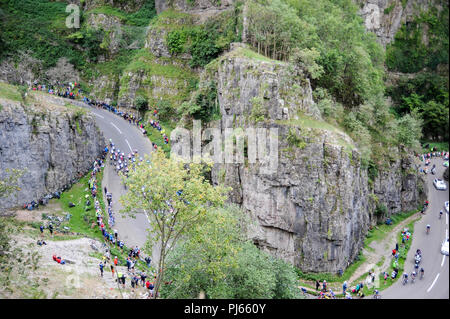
(316, 208)
(191, 6)
(55, 145)
(385, 17)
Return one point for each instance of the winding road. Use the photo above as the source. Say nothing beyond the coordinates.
(127, 138)
(435, 283)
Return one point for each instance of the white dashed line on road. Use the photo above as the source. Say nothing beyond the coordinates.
(115, 127)
(99, 115)
(129, 145)
(434, 281)
(443, 260)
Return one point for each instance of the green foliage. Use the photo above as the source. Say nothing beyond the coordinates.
(9, 183)
(38, 26)
(294, 140)
(203, 105)
(165, 110)
(10, 92)
(390, 8)
(205, 42)
(141, 104)
(380, 210)
(176, 41)
(258, 112)
(203, 49)
(306, 60)
(409, 53)
(151, 186)
(425, 95)
(139, 18)
(346, 60)
(409, 130)
(218, 260)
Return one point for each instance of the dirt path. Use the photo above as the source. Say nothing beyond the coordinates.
(377, 250)
(381, 249)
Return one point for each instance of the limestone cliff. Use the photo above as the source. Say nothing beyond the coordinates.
(316, 208)
(54, 144)
(385, 17)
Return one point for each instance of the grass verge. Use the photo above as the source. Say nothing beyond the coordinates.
(379, 232)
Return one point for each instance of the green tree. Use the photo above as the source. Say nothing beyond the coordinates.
(141, 104)
(306, 60)
(409, 131)
(435, 120)
(174, 198)
(9, 184)
(218, 259)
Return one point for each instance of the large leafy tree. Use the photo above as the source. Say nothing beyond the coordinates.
(175, 199)
(219, 260)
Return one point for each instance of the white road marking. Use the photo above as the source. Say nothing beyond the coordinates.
(129, 145)
(443, 260)
(99, 115)
(446, 219)
(434, 281)
(115, 127)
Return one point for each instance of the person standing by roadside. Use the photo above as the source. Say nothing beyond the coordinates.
(317, 285)
(143, 277)
(344, 287)
(101, 268)
(50, 228)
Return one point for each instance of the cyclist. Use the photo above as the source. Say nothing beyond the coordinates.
(377, 294)
(428, 228)
(413, 276)
(422, 271)
(440, 214)
(405, 278)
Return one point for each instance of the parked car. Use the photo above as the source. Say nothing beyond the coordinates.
(444, 248)
(439, 184)
(446, 206)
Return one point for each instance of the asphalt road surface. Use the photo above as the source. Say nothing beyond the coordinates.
(126, 137)
(435, 283)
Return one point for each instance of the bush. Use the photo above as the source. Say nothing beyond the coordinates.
(380, 210)
(141, 104)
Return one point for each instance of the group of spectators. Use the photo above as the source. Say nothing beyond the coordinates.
(73, 91)
(69, 90)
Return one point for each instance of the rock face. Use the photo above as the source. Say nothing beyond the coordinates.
(315, 209)
(55, 144)
(112, 26)
(196, 5)
(385, 17)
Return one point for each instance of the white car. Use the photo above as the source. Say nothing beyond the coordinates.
(446, 206)
(439, 184)
(444, 248)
